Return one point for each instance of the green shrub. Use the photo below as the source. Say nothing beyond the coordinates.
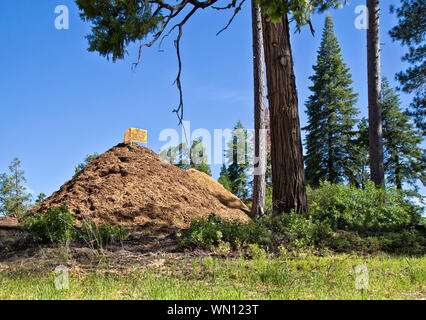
(349, 208)
(293, 229)
(213, 230)
(100, 236)
(293, 232)
(58, 226)
(411, 242)
(403, 242)
(55, 226)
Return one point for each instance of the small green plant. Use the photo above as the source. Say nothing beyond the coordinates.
(103, 235)
(256, 251)
(213, 231)
(222, 247)
(55, 226)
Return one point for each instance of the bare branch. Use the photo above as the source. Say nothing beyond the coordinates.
(238, 9)
(175, 10)
(179, 109)
(311, 27)
(231, 5)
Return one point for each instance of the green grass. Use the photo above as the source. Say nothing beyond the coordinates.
(286, 277)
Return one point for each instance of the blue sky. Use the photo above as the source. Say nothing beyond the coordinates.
(60, 102)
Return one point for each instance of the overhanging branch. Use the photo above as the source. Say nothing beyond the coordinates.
(173, 12)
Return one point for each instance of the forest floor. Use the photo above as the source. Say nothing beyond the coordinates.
(150, 265)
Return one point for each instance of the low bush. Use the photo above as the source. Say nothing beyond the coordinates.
(341, 218)
(210, 232)
(58, 226)
(353, 209)
(410, 242)
(55, 226)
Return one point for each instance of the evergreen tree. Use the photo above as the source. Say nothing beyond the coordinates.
(375, 134)
(411, 31)
(186, 158)
(404, 158)
(238, 156)
(88, 158)
(14, 197)
(331, 114)
(40, 198)
(224, 178)
(260, 151)
(178, 155)
(360, 159)
(199, 157)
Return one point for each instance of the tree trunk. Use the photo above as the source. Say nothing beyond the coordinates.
(259, 183)
(330, 162)
(288, 174)
(374, 93)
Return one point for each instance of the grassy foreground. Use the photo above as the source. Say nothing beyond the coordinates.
(302, 276)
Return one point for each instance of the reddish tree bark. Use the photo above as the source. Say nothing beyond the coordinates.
(288, 174)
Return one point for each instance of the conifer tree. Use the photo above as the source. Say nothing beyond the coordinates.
(238, 156)
(14, 197)
(260, 151)
(360, 159)
(374, 92)
(40, 198)
(199, 157)
(224, 178)
(187, 158)
(178, 155)
(404, 158)
(81, 165)
(411, 32)
(331, 114)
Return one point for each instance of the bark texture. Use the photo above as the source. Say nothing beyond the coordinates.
(374, 94)
(288, 174)
(259, 183)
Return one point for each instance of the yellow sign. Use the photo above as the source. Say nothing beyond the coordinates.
(136, 135)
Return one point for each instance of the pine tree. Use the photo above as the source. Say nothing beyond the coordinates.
(404, 158)
(331, 114)
(374, 91)
(411, 31)
(199, 157)
(259, 179)
(88, 158)
(224, 178)
(186, 158)
(40, 198)
(14, 197)
(178, 155)
(360, 159)
(238, 157)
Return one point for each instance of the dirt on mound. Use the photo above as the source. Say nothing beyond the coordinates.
(218, 190)
(131, 185)
(9, 222)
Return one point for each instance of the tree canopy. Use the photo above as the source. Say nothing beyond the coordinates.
(411, 31)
